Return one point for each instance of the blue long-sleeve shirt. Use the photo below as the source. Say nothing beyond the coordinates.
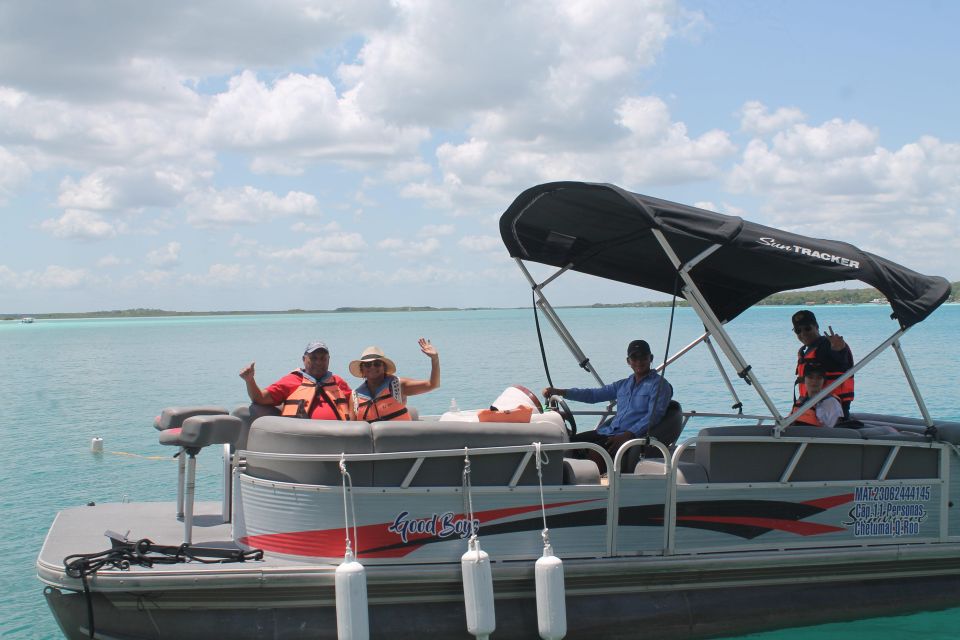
(639, 404)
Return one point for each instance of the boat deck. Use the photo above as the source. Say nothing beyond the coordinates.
(81, 530)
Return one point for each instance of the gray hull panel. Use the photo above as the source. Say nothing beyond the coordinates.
(693, 613)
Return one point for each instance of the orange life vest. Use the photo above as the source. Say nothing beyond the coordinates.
(843, 393)
(301, 402)
(809, 416)
(388, 405)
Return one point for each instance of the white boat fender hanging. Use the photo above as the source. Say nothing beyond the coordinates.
(477, 574)
(96, 445)
(350, 579)
(548, 577)
(351, 588)
(551, 596)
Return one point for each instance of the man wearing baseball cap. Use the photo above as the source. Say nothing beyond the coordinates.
(642, 401)
(311, 392)
(828, 349)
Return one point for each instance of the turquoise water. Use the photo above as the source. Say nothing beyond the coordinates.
(64, 382)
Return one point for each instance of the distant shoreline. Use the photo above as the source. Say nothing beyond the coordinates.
(793, 298)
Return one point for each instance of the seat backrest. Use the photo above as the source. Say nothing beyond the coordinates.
(668, 429)
(275, 434)
(766, 459)
(247, 414)
(486, 470)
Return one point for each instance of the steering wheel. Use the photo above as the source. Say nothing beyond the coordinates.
(559, 405)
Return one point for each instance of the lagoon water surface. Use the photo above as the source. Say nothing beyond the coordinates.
(64, 382)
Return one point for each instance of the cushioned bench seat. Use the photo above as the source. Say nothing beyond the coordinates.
(273, 434)
(822, 460)
(398, 436)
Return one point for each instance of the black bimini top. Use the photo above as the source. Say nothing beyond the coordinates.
(606, 231)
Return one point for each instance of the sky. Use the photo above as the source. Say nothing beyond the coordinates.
(307, 154)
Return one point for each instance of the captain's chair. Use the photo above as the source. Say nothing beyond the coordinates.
(666, 431)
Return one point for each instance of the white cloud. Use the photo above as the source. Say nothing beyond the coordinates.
(314, 229)
(480, 243)
(330, 249)
(111, 260)
(81, 225)
(153, 277)
(228, 275)
(87, 53)
(249, 205)
(436, 230)
(755, 118)
(51, 277)
(300, 118)
(833, 139)
(478, 175)
(409, 248)
(833, 180)
(165, 256)
(449, 59)
(13, 170)
(407, 170)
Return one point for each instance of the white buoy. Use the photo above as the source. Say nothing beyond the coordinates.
(96, 445)
(551, 596)
(478, 590)
(350, 583)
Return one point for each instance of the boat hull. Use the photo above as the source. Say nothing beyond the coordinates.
(623, 608)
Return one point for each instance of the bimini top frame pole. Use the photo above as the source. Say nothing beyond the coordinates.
(713, 325)
(558, 326)
(567, 338)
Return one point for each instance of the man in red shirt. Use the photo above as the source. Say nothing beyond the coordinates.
(310, 392)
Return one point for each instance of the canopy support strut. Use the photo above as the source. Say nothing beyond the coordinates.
(710, 321)
(912, 382)
(555, 321)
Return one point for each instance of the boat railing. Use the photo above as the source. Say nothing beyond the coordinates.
(593, 488)
(783, 466)
(795, 460)
(417, 458)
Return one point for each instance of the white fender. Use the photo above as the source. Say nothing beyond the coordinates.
(478, 591)
(551, 596)
(350, 583)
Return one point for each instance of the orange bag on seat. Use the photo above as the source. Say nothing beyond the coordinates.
(518, 414)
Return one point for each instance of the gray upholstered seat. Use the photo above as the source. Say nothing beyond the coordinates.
(395, 436)
(199, 431)
(766, 460)
(687, 472)
(666, 431)
(580, 471)
(275, 434)
(173, 417)
(247, 414)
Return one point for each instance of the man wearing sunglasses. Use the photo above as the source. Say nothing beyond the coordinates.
(311, 392)
(830, 350)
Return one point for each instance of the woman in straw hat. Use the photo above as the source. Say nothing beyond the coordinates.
(382, 395)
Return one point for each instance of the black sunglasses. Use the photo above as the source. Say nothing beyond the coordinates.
(803, 327)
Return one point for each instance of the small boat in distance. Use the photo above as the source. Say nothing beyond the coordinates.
(26, 320)
(755, 523)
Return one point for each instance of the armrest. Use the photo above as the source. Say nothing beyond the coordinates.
(174, 417)
(203, 430)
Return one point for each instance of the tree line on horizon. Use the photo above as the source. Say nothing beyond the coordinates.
(788, 298)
